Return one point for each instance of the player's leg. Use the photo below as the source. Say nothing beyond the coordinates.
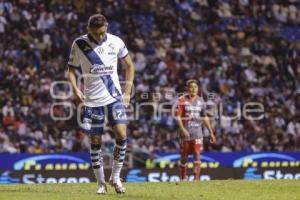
(117, 118)
(184, 149)
(119, 150)
(97, 162)
(197, 149)
(94, 127)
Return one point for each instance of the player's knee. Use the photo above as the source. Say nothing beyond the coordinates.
(95, 139)
(120, 131)
(183, 159)
(121, 135)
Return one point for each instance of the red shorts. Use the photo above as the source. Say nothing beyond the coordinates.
(191, 147)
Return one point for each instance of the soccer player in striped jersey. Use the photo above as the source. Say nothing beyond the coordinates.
(97, 54)
(190, 115)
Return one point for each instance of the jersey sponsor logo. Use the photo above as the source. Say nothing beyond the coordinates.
(101, 69)
(193, 124)
(193, 108)
(112, 53)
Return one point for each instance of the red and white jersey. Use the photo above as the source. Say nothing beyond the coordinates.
(191, 110)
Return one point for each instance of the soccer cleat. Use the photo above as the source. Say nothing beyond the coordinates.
(102, 189)
(117, 184)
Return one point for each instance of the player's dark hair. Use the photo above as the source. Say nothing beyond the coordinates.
(97, 21)
(187, 84)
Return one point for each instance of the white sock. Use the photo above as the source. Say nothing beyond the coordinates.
(118, 160)
(97, 163)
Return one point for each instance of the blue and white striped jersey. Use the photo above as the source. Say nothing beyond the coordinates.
(98, 62)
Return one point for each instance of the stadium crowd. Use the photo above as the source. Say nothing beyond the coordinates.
(240, 50)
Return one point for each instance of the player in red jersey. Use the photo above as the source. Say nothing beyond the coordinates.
(190, 115)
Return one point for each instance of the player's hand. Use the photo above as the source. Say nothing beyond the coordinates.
(185, 134)
(212, 139)
(79, 95)
(126, 99)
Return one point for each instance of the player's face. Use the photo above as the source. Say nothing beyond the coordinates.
(193, 89)
(98, 33)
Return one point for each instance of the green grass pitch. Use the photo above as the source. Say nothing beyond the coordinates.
(212, 190)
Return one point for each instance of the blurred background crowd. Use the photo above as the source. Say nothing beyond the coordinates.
(240, 50)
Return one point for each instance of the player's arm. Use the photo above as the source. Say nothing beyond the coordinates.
(207, 124)
(183, 131)
(179, 113)
(123, 54)
(73, 81)
(129, 78)
(73, 64)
